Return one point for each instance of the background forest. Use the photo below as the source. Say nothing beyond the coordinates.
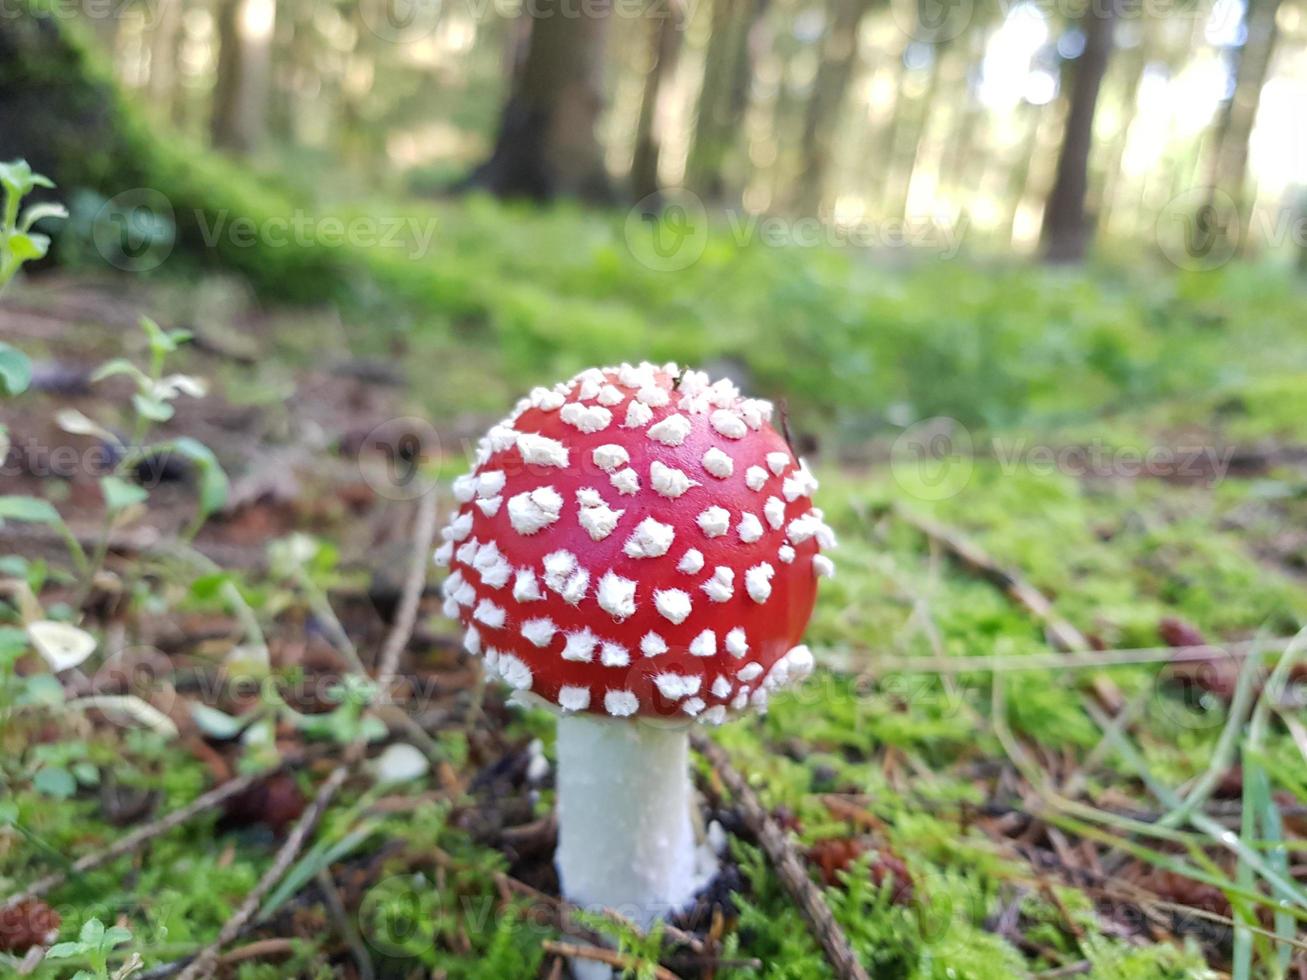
(1026, 279)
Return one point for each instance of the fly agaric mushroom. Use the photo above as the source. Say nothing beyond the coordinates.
(635, 549)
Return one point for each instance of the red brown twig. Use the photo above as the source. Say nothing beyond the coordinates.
(790, 869)
(387, 662)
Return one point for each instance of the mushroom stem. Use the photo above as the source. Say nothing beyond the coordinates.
(625, 837)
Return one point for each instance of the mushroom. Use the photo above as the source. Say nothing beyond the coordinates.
(636, 550)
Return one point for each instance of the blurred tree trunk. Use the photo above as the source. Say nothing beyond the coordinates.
(839, 56)
(1067, 227)
(547, 145)
(164, 43)
(240, 94)
(664, 48)
(727, 78)
(1228, 162)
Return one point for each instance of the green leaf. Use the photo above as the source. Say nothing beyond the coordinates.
(92, 932)
(119, 494)
(214, 723)
(63, 951)
(206, 588)
(28, 245)
(29, 510)
(15, 370)
(214, 486)
(121, 365)
(115, 936)
(55, 782)
(152, 408)
(161, 341)
(40, 212)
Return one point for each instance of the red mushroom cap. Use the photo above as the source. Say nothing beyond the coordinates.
(637, 540)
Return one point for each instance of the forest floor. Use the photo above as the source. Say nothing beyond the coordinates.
(1027, 750)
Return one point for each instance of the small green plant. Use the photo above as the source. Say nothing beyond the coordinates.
(18, 242)
(95, 944)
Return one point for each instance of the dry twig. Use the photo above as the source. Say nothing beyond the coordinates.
(788, 866)
(611, 957)
(424, 531)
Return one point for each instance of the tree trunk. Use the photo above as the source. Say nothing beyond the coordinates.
(240, 95)
(727, 75)
(1228, 163)
(547, 145)
(839, 56)
(1067, 227)
(664, 44)
(164, 43)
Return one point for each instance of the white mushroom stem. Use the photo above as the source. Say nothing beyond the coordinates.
(625, 837)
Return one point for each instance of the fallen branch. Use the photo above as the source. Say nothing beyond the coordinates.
(1064, 635)
(612, 958)
(424, 531)
(788, 866)
(135, 840)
